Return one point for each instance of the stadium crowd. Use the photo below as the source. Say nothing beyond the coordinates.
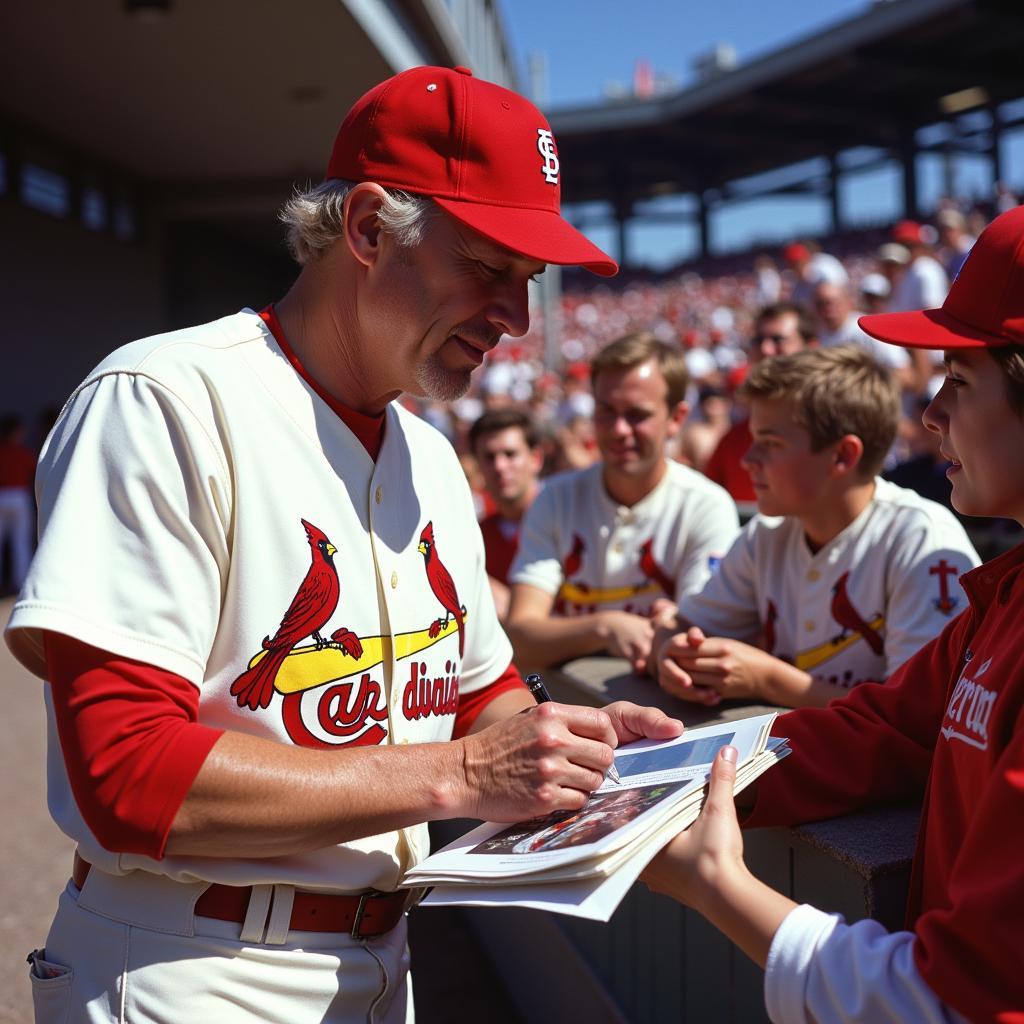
(711, 316)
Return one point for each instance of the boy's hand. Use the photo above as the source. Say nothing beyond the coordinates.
(628, 636)
(709, 854)
(707, 670)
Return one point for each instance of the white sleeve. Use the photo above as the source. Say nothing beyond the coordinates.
(538, 561)
(711, 526)
(727, 603)
(934, 286)
(821, 970)
(134, 515)
(915, 612)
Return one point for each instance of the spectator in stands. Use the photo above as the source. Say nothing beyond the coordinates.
(1005, 197)
(875, 290)
(842, 574)
(780, 329)
(893, 260)
(923, 285)
(17, 510)
(954, 239)
(811, 266)
(837, 325)
(605, 549)
(769, 282)
(701, 365)
(508, 453)
(701, 434)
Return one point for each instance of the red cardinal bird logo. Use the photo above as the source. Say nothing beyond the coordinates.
(769, 626)
(574, 559)
(849, 618)
(310, 610)
(652, 571)
(443, 586)
(571, 564)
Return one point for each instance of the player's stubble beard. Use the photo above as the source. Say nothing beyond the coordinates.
(442, 383)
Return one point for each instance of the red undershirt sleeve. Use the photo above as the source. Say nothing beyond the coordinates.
(131, 741)
(472, 704)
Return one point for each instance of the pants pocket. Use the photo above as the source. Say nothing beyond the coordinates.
(51, 988)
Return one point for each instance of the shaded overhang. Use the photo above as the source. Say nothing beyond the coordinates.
(235, 98)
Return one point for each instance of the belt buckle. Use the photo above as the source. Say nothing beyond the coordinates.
(360, 911)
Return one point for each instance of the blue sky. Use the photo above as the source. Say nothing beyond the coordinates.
(595, 43)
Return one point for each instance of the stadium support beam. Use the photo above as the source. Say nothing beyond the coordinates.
(908, 160)
(623, 213)
(833, 192)
(995, 152)
(702, 225)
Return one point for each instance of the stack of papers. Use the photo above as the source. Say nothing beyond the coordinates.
(583, 862)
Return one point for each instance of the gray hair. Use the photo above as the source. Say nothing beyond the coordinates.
(314, 217)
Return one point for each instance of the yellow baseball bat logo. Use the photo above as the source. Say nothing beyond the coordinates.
(306, 667)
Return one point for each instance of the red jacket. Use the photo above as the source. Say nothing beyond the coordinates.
(950, 721)
(724, 464)
(499, 549)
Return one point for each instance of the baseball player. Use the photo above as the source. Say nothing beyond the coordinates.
(260, 600)
(842, 576)
(608, 547)
(948, 724)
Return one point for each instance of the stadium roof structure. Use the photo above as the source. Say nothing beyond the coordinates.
(872, 80)
(232, 101)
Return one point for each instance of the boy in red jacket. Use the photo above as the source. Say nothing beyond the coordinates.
(949, 723)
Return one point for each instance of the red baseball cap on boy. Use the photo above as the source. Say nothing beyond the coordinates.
(484, 154)
(985, 305)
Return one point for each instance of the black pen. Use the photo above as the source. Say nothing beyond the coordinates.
(536, 686)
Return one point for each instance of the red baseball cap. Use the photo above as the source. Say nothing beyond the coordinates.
(985, 305)
(795, 253)
(907, 232)
(484, 154)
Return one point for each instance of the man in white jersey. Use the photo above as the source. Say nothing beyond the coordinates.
(260, 599)
(605, 550)
(842, 576)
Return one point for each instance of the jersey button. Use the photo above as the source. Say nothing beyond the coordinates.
(379, 496)
(814, 575)
(394, 580)
(809, 626)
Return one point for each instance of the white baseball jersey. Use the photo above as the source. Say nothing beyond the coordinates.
(854, 610)
(593, 554)
(173, 493)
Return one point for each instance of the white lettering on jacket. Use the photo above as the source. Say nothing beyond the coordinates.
(969, 710)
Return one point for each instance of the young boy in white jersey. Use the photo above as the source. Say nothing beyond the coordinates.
(842, 576)
(949, 724)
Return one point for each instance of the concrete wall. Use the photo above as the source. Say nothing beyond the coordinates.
(69, 295)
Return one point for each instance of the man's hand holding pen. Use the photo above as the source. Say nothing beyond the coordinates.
(550, 759)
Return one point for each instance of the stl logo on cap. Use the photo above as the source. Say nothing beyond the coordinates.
(546, 146)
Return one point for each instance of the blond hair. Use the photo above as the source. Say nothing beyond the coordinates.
(635, 349)
(833, 392)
